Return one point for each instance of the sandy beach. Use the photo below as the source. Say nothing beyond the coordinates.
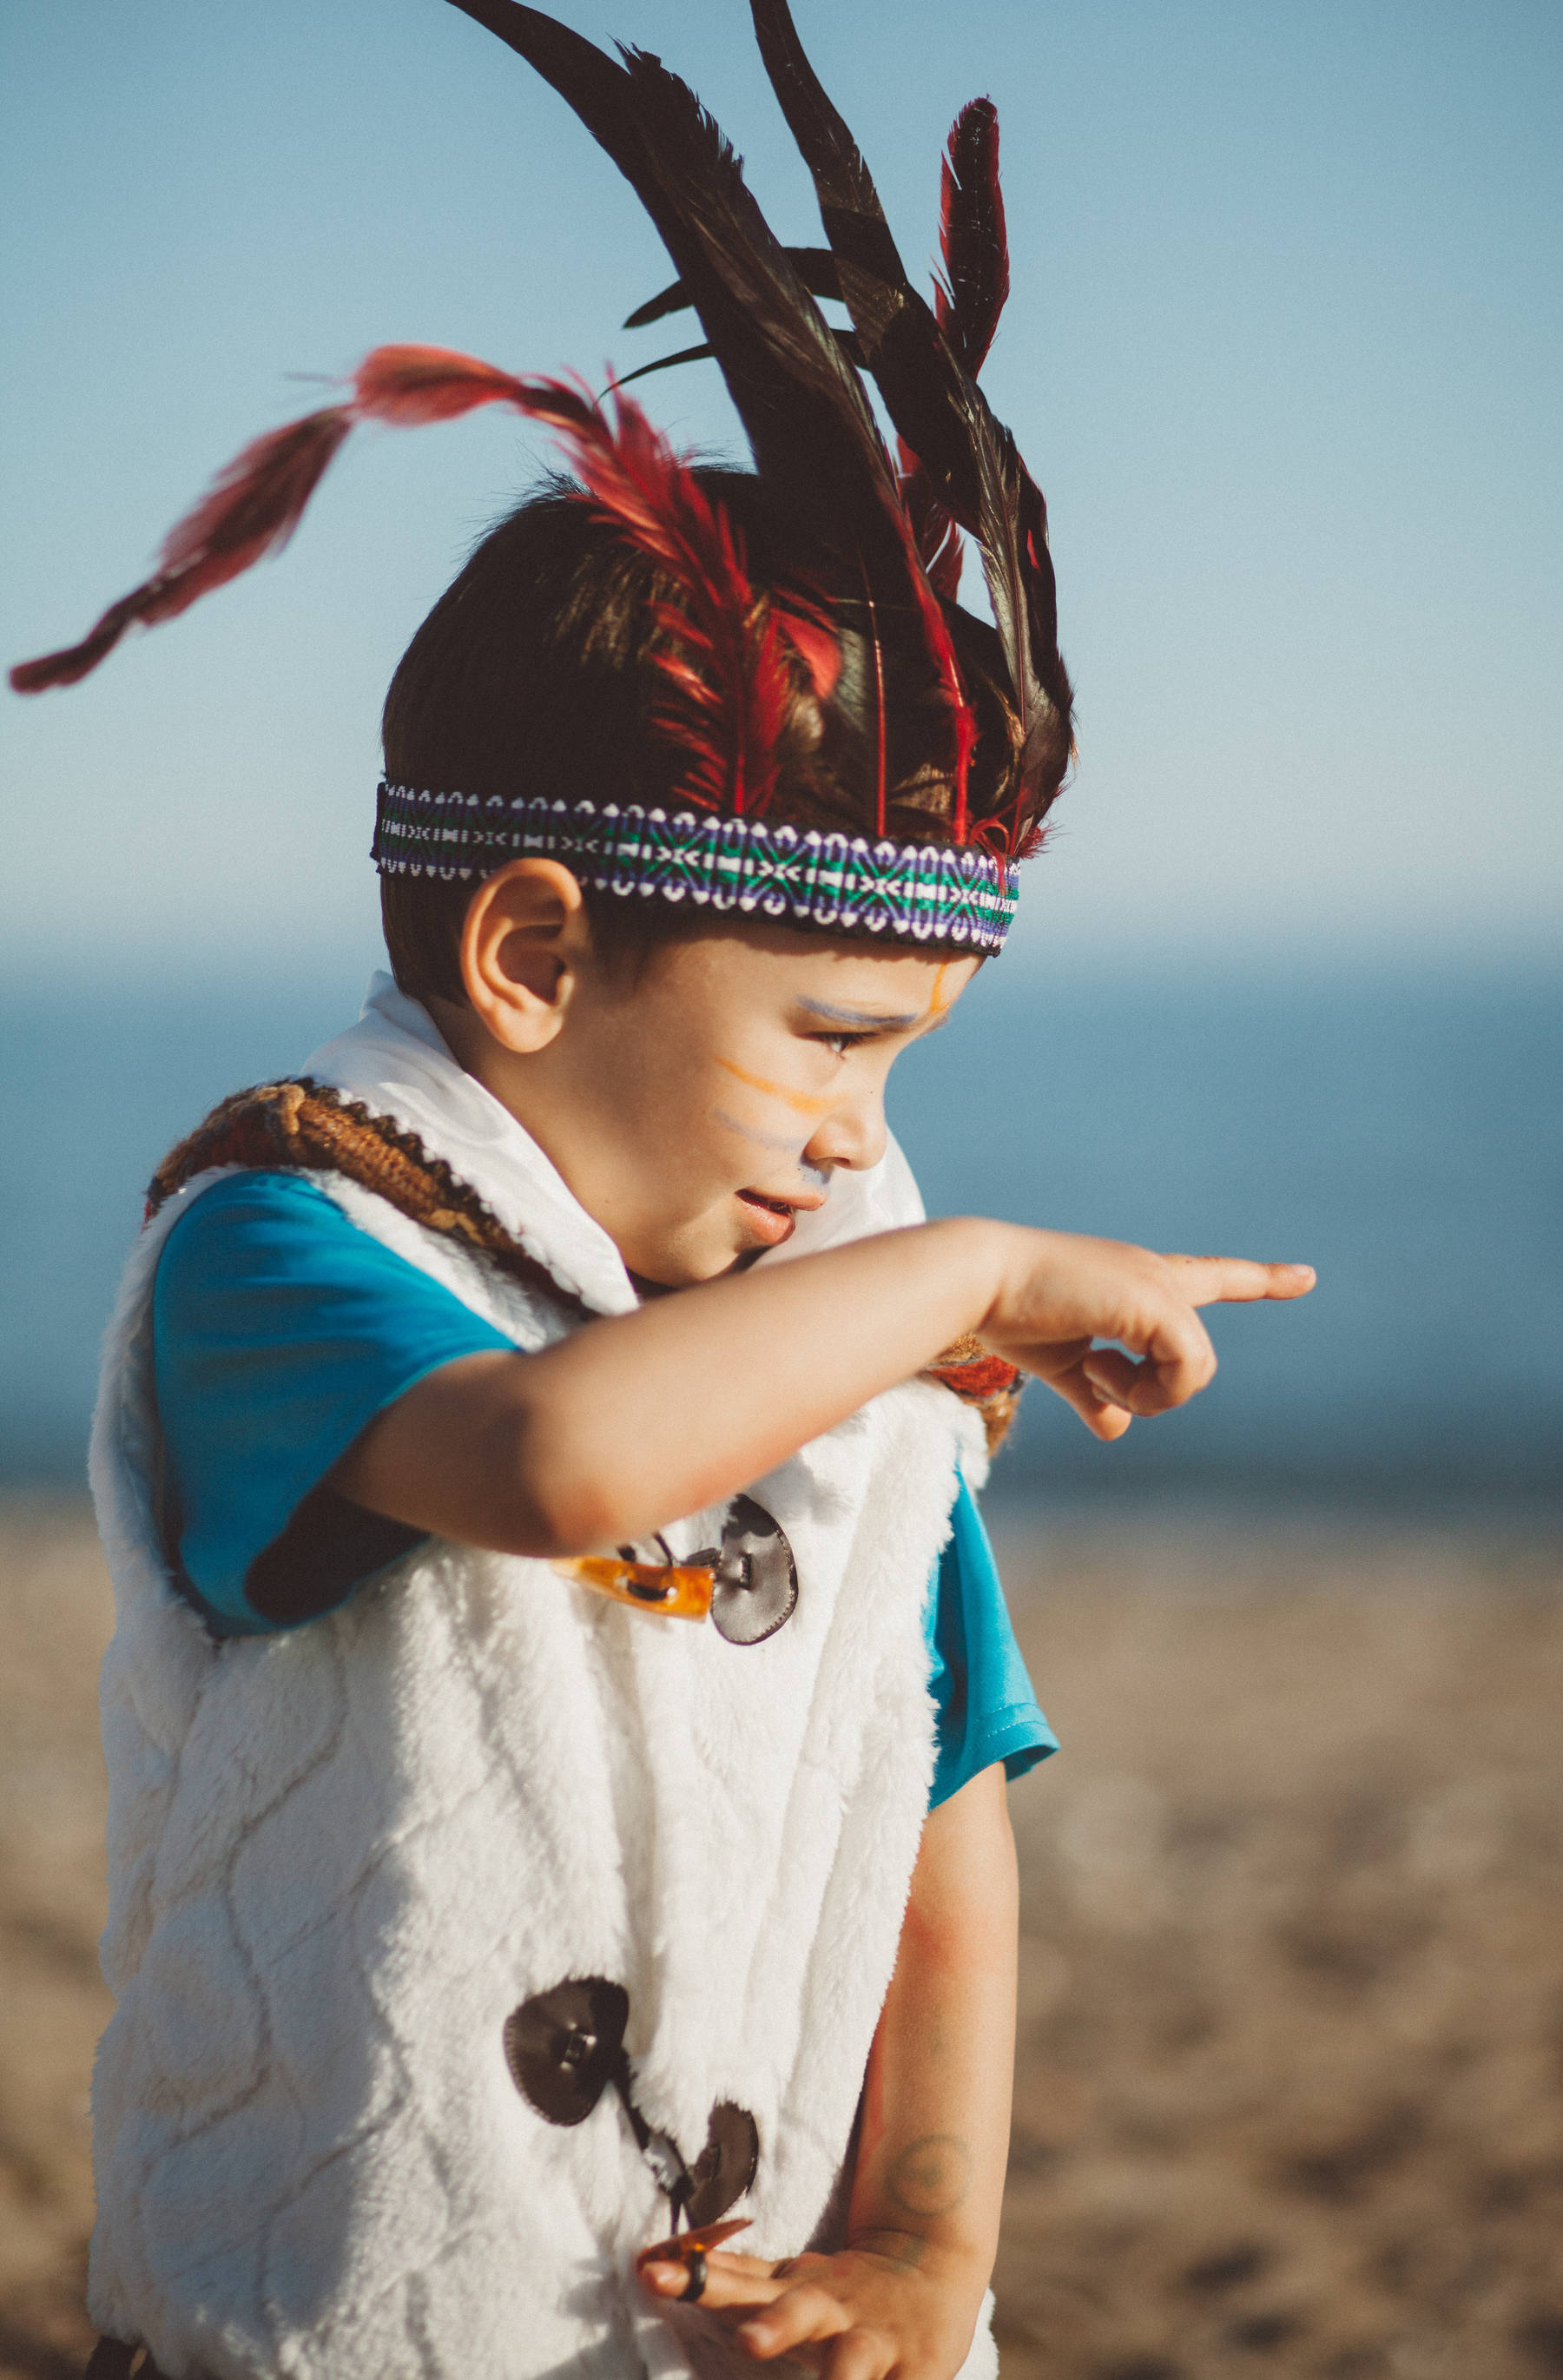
(1289, 2094)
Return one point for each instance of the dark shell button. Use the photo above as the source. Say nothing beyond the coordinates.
(726, 2167)
(757, 1582)
(562, 2046)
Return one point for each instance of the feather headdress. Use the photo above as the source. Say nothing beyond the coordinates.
(945, 736)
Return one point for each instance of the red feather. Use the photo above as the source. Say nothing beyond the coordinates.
(816, 646)
(409, 386)
(252, 509)
(726, 662)
(728, 656)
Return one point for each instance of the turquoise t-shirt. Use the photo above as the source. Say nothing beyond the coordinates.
(280, 1330)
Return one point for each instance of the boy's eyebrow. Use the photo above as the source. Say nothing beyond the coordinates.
(876, 1020)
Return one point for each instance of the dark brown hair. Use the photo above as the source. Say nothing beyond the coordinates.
(532, 675)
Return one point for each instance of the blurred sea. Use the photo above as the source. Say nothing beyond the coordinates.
(1401, 1130)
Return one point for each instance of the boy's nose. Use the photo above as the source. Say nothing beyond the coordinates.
(853, 1138)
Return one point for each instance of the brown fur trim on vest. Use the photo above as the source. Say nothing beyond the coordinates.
(305, 1125)
(277, 1127)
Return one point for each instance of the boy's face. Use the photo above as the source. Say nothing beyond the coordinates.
(696, 1108)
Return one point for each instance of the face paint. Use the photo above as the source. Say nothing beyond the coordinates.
(786, 1147)
(800, 1102)
(865, 1020)
(741, 1076)
(819, 1175)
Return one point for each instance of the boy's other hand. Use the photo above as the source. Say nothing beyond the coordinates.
(1060, 1293)
(893, 2303)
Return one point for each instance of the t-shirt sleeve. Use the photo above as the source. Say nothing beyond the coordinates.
(279, 1332)
(985, 1708)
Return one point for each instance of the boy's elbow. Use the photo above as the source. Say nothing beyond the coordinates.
(559, 1523)
(562, 1506)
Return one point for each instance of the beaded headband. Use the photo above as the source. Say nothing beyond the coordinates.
(925, 892)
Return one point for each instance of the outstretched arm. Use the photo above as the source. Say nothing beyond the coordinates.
(629, 1423)
(905, 2294)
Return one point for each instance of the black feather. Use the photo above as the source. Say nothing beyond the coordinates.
(815, 268)
(846, 340)
(664, 363)
(972, 461)
(808, 421)
(812, 430)
(971, 235)
(968, 301)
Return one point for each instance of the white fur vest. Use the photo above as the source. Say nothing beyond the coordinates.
(342, 1856)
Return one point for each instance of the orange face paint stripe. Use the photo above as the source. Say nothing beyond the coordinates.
(802, 1102)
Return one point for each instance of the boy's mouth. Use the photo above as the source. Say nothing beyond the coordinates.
(772, 1220)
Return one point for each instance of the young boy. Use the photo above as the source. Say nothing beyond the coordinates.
(557, 1728)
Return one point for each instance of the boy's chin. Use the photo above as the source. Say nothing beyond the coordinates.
(722, 1244)
(661, 1285)
(724, 1241)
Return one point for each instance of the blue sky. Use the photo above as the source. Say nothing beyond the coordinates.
(1284, 350)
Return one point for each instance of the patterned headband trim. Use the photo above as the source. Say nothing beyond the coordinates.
(842, 884)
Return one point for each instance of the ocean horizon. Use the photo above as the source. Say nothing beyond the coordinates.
(1398, 1126)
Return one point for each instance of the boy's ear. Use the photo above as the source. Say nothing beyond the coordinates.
(525, 937)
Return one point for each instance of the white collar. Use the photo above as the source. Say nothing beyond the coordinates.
(396, 1062)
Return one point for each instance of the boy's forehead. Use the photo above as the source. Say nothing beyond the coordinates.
(847, 984)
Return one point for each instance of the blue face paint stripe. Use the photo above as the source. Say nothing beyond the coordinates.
(820, 1175)
(874, 1019)
(792, 1148)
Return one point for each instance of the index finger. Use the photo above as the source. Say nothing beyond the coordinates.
(1239, 1281)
